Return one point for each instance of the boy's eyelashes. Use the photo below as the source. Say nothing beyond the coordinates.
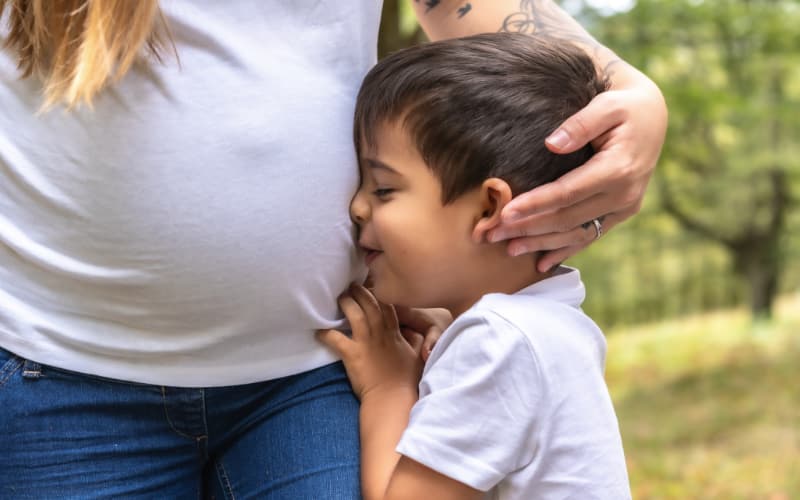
(382, 193)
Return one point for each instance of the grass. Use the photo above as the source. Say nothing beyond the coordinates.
(709, 406)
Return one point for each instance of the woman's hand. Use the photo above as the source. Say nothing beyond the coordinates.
(627, 126)
(378, 357)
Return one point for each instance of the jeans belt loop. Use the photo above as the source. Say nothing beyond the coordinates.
(31, 370)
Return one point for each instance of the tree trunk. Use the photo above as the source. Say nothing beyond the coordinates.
(763, 288)
(756, 250)
(758, 263)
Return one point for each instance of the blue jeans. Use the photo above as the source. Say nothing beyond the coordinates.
(69, 435)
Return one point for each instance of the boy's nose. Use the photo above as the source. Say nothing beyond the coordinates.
(359, 208)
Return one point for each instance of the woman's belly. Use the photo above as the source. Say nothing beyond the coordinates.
(178, 242)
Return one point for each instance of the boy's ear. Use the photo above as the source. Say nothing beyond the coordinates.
(494, 195)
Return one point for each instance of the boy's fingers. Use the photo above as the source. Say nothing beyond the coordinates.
(336, 340)
(355, 316)
(370, 307)
(414, 339)
(423, 319)
(428, 343)
(431, 323)
(412, 318)
(389, 317)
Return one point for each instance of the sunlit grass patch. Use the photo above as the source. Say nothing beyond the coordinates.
(709, 406)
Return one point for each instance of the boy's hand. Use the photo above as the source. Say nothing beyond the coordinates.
(430, 323)
(378, 357)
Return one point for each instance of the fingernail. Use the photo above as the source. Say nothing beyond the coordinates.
(559, 139)
(496, 236)
(516, 251)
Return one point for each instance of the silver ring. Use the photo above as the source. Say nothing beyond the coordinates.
(598, 227)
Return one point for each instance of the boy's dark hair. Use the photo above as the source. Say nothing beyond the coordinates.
(481, 106)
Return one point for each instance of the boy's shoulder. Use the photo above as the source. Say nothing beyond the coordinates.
(546, 315)
(549, 302)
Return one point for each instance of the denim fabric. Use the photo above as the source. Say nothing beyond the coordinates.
(69, 435)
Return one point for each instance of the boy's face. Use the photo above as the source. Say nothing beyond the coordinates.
(417, 249)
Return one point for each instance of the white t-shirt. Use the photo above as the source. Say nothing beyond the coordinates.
(192, 229)
(513, 401)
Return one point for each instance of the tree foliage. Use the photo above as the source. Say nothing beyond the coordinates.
(730, 70)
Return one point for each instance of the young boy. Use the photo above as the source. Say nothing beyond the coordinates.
(512, 403)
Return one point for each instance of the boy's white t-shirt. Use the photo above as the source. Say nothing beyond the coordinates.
(513, 400)
(192, 228)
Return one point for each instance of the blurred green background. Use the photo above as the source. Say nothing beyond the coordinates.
(700, 293)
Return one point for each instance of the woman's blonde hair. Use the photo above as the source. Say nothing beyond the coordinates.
(77, 46)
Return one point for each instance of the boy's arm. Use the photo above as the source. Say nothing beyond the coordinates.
(387, 475)
(626, 126)
(411, 481)
(384, 367)
(382, 419)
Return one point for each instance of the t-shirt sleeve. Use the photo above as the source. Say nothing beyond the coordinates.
(476, 418)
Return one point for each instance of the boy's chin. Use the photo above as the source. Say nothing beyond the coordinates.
(390, 295)
(386, 296)
(402, 298)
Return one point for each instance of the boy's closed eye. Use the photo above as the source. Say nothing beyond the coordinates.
(383, 193)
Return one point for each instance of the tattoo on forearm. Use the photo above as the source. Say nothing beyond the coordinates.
(536, 17)
(432, 4)
(542, 18)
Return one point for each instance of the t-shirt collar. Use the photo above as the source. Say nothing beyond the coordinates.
(564, 285)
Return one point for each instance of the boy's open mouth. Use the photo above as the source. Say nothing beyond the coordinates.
(370, 253)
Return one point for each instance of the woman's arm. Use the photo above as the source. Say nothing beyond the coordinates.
(457, 18)
(626, 125)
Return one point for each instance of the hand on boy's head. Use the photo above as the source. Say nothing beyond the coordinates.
(627, 128)
(378, 357)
